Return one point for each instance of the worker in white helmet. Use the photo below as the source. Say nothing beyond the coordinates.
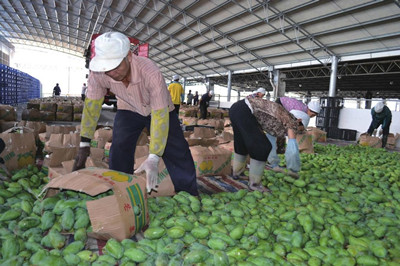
(143, 102)
(381, 115)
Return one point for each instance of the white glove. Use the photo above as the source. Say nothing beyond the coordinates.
(151, 168)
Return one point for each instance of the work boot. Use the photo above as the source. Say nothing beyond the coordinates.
(384, 140)
(238, 165)
(256, 172)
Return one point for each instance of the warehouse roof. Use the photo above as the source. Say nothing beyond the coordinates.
(196, 38)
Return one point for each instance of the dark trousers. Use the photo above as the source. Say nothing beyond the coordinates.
(83, 97)
(203, 111)
(248, 136)
(177, 106)
(374, 125)
(177, 157)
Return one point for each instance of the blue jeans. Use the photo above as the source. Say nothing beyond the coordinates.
(177, 157)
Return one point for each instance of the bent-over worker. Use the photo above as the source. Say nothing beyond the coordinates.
(143, 101)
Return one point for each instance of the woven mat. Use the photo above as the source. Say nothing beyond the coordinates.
(217, 184)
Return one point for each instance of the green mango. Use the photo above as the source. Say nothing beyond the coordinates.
(114, 248)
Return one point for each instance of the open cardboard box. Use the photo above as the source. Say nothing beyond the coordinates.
(112, 216)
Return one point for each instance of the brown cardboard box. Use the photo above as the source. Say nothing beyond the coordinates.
(187, 134)
(111, 216)
(59, 155)
(20, 148)
(103, 133)
(189, 121)
(60, 116)
(143, 139)
(202, 142)
(6, 125)
(218, 124)
(141, 151)
(391, 141)
(97, 154)
(317, 134)
(68, 165)
(57, 129)
(227, 122)
(305, 143)
(203, 132)
(367, 140)
(54, 172)
(165, 186)
(7, 113)
(227, 136)
(211, 160)
(90, 162)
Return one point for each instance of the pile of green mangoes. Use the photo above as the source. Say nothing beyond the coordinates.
(343, 210)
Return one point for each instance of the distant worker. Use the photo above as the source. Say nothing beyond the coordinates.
(143, 102)
(176, 91)
(56, 90)
(381, 115)
(204, 103)
(189, 98)
(368, 101)
(196, 98)
(259, 93)
(83, 93)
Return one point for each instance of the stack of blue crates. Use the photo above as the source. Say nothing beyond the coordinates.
(16, 86)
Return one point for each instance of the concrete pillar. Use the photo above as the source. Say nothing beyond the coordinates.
(229, 85)
(280, 84)
(332, 82)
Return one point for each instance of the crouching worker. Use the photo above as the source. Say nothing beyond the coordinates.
(251, 118)
(143, 101)
(381, 115)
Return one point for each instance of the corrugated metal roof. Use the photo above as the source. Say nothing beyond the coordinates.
(199, 38)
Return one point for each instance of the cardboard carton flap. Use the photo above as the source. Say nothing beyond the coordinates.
(89, 184)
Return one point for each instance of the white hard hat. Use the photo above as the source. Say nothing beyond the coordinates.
(305, 119)
(379, 107)
(175, 77)
(261, 90)
(211, 92)
(110, 49)
(314, 106)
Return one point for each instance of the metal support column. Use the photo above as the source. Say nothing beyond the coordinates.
(229, 85)
(332, 82)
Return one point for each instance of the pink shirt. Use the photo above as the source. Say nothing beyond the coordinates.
(146, 91)
(293, 104)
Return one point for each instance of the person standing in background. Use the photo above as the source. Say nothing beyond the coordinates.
(204, 103)
(189, 98)
(196, 98)
(83, 93)
(176, 91)
(56, 90)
